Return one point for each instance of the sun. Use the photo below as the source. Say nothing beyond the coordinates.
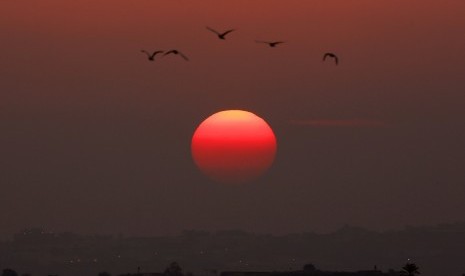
(233, 146)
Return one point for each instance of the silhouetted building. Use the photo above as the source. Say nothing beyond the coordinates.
(311, 270)
(245, 273)
(143, 274)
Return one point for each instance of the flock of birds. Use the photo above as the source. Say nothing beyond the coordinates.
(222, 35)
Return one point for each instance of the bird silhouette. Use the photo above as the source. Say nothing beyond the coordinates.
(151, 56)
(331, 55)
(270, 43)
(220, 35)
(176, 52)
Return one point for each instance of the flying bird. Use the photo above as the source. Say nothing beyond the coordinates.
(331, 55)
(270, 43)
(176, 52)
(151, 56)
(220, 35)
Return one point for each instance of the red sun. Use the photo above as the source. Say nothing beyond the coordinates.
(233, 146)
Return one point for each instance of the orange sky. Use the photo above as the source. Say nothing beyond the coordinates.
(72, 42)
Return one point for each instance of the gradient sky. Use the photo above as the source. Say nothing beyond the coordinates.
(94, 138)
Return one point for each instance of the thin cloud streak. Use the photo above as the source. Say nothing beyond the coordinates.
(339, 123)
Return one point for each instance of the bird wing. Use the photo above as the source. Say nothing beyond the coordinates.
(169, 52)
(184, 56)
(157, 52)
(278, 42)
(227, 32)
(210, 29)
(336, 59)
(145, 52)
(261, 41)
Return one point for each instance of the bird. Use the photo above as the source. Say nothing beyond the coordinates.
(270, 43)
(331, 55)
(151, 56)
(176, 52)
(220, 35)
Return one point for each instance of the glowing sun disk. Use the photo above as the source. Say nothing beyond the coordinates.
(233, 146)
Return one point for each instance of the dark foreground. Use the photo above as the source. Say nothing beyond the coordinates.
(437, 250)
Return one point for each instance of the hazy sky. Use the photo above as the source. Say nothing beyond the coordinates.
(94, 138)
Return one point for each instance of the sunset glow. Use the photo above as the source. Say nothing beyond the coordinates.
(233, 146)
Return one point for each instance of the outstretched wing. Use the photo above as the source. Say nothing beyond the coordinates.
(261, 41)
(156, 52)
(145, 52)
(210, 29)
(183, 56)
(227, 32)
(327, 55)
(336, 59)
(278, 42)
(169, 52)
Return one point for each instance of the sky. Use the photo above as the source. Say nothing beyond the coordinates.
(96, 139)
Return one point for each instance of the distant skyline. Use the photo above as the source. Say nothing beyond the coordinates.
(437, 250)
(96, 139)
